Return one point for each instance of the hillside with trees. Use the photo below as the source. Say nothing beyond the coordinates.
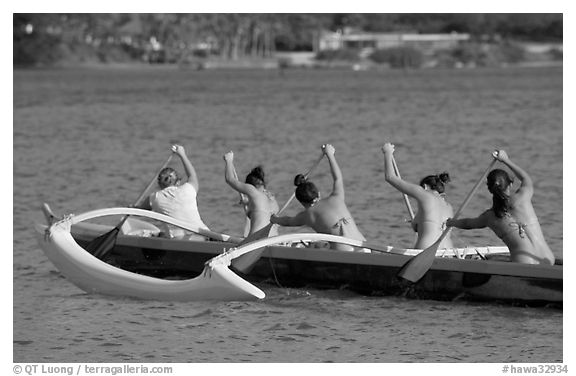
(68, 39)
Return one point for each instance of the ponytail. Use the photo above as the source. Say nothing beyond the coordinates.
(436, 182)
(256, 177)
(498, 181)
(306, 191)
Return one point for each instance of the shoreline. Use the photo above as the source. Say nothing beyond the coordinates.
(266, 65)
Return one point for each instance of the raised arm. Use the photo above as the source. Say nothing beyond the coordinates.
(231, 177)
(394, 180)
(526, 186)
(188, 168)
(338, 185)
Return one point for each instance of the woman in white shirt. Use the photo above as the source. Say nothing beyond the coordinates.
(177, 199)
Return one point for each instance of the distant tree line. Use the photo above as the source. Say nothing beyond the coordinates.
(45, 39)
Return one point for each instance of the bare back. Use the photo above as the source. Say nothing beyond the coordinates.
(433, 211)
(331, 216)
(261, 205)
(521, 232)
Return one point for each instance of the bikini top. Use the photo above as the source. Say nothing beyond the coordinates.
(342, 221)
(515, 227)
(442, 225)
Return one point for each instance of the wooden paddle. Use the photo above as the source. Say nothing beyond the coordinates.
(103, 244)
(245, 262)
(406, 200)
(418, 265)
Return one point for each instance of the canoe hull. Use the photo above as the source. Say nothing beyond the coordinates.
(447, 280)
(372, 274)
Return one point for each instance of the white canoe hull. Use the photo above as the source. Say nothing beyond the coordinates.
(95, 276)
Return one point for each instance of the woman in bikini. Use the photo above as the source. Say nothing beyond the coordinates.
(260, 203)
(328, 215)
(512, 216)
(433, 209)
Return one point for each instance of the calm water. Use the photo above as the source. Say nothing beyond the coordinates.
(87, 139)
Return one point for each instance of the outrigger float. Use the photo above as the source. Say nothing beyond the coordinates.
(143, 265)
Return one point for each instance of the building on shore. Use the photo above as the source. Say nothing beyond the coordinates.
(367, 42)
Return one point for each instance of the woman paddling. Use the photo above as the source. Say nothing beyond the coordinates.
(261, 203)
(328, 215)
(433, 209)
(177, 199)
(512, 216)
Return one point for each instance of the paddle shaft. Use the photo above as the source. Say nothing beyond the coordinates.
(466, 200)
(474, 189)
(406, 200)
(144, 193)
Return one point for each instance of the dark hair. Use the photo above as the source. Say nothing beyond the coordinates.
(306, 191)
(256, 177)
(498, 180)
(167, 177)
(436, 182)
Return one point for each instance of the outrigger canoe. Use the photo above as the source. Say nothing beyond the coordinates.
(145, 266)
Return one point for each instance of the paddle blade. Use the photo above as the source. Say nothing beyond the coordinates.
(264, 232)
(246, 262)
(417, 266)
(103, 244)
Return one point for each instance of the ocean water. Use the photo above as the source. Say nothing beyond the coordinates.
(91, 138)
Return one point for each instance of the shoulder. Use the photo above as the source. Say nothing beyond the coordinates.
(163, 191)
(333, 198)
(522, 196)
(488, 216)
(270, 196)
(324, 206)
(423, 196)
(155, 192)
(447, 206)
(307, 216)
(187, 186)
(162, 194)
